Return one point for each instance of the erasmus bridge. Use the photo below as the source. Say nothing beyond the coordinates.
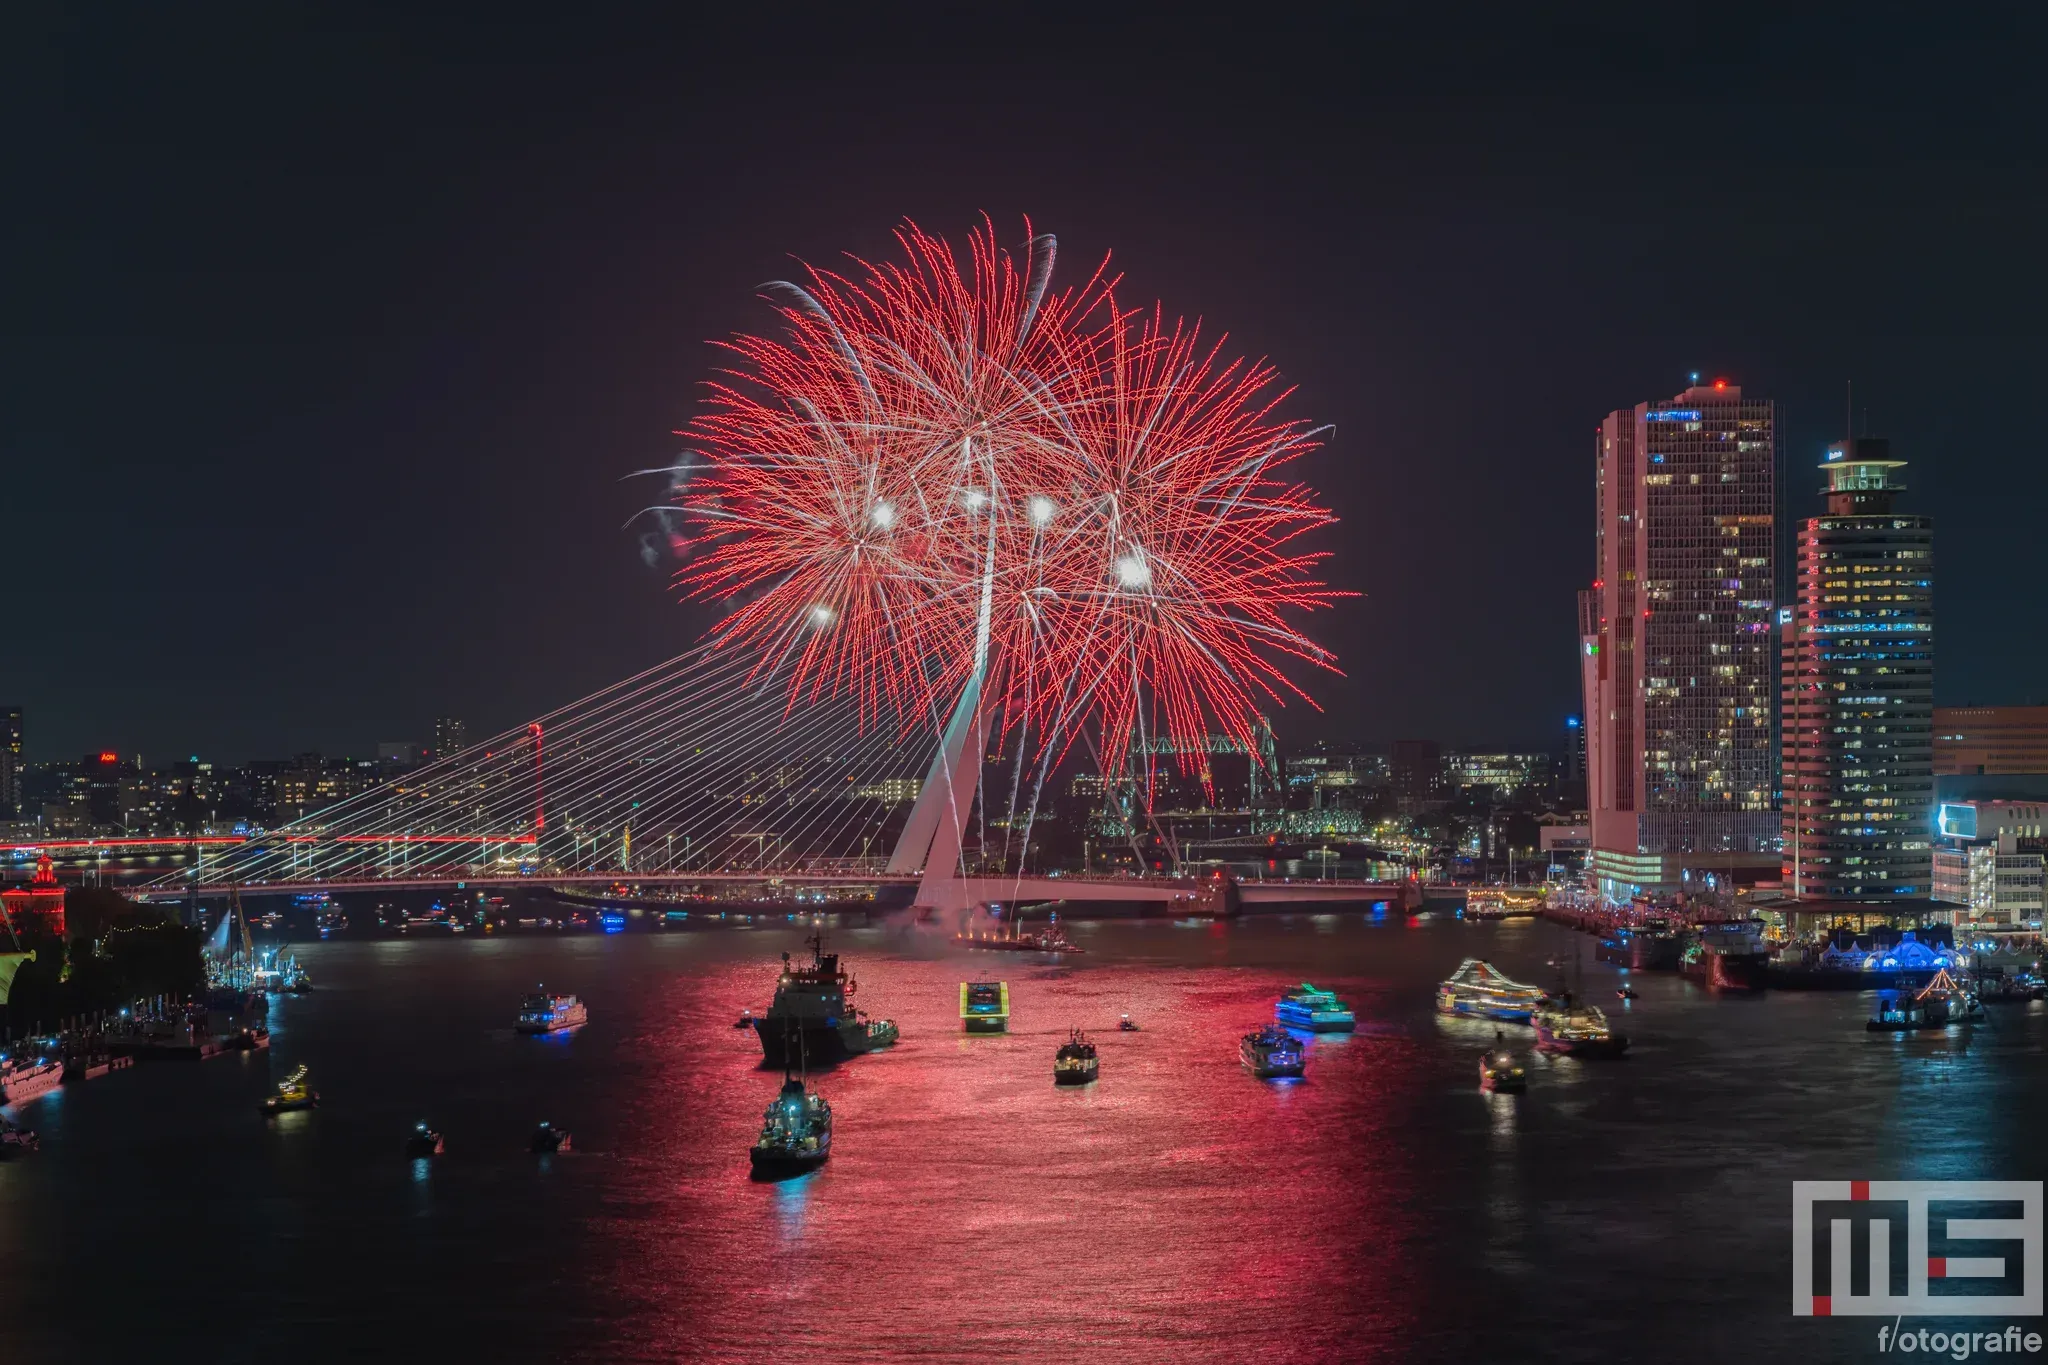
(944, 504)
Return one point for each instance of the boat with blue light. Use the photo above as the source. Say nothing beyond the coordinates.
(545, 1013)
(547, 1140)
(796, 1133)
(1317, 1011)
(985, 1006)
(1271, 1053)
(1479, 990)
(424, 1142)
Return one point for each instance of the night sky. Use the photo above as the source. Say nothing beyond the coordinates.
(330, 339)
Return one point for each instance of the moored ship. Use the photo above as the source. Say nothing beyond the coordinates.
(796, 1133)
(1271, 1053)
(813, 1019)
(545, 1013)
(1727, 957)
(1651, 948)
(1572, 1029)
(985, 1006)
(1318, 1011)
(24, 1078)
(1075, 1063)
(1479, 990)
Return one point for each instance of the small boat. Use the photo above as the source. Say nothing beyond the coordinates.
(1127, 1024)
(1479, 990)
(985, 1006)
(255, 1038)
(1570, 1029)
(424, 1142)
(544, 1013)
(1627, 993)
(293, 1092)
(1499, 1073)
(16, 1140)
(746, 1019)
(1270, 1052)
(1075, 1062)
(1940, 1003)
(1317, 1011)
(548, 1140)
(796, 1133)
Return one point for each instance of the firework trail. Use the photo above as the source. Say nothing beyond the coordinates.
(943, 470)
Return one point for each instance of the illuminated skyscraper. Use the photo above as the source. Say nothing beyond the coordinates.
(1859, 691)
(1677, 660)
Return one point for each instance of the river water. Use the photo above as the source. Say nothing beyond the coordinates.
(1383, 1209)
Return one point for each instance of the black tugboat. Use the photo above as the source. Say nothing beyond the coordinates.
(796, 1133)
(813, 1013)
(1074, 1063)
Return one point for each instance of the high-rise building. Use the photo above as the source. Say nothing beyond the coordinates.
(451, 736)
(1858, 656)
(1675, 646)
(10, 762)
(1416, 770)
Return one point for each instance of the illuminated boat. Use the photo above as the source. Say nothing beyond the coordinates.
(1271, 1053)
(985, 1006)
(1075, 1063)
(548, 1140)
(24, 1078)
(1315, 1010)
(1051, 939)
(1478, 990)
(812, 1019)
(293, 1092)
(1937, 1005)
(1501, 1074)
(544, 1013)
(1572, 1029)
(796, 1133)
(424, 1142)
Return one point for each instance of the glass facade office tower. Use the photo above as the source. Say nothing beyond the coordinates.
(1675, 636)
(1858, 655)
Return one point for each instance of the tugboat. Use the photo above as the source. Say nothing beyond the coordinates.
(1270, 1053)
(1478, 990)
(23, 1078)
(746, 1019)
(293, 1092)
(16, 1140)
(1499, 1073)
(1127, 1024)
(813, 1014)
(985, 1006)
(796, 1133)
(544, 1013)
(424, 1142)
(1074, 1063)
(1314, 1010)
(548, 1140)
(1571, 1029)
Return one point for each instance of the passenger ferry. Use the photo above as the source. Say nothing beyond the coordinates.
(985, 1006)
(796, 1133)
(23, 1078)
(544, 1013)
(1571, 1029)
(1270, 1053)
(1314, 1010)
(1478, 990)
(1075, 1062)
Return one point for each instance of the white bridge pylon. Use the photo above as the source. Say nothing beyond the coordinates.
(932, 836)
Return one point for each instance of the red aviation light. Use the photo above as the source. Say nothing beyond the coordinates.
(1720, 383)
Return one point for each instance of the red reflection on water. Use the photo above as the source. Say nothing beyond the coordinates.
(1177, 1208)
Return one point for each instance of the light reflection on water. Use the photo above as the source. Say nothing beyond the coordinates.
(1176, 1209)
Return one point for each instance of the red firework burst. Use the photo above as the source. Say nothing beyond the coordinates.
(935, 470)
